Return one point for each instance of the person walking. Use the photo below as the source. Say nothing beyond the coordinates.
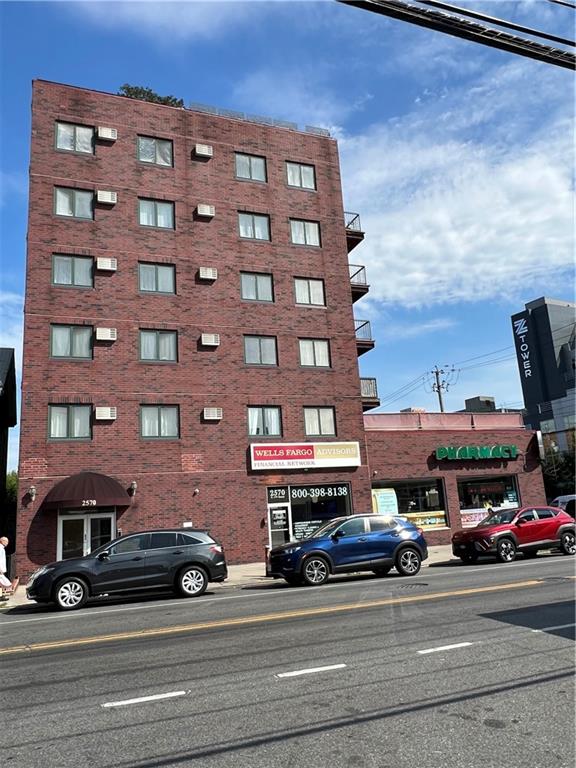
(6, 585)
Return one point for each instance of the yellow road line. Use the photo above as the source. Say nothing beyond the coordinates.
(259, 619)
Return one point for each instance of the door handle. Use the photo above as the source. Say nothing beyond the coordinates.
(178, 552)
(362, 538)
(137, 558)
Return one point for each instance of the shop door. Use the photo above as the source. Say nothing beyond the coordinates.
(278, 524)
(79, 534)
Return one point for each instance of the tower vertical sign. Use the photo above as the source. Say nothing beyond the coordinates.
(527, 358)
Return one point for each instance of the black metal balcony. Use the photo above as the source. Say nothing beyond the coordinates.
(364, 340)
(354, 232)
(358, 282)
(369, 393)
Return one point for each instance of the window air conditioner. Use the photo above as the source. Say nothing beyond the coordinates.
(104, 196)
(205, 210)
(107, 413)
(212, 414)
(109, 134)
(208, 273)
(106, 265)
(106, 334)
(203, 150)
(210, 339)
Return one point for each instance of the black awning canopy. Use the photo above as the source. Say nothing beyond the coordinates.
(84, 490)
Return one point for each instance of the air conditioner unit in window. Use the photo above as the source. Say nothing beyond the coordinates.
(109, 134)
(106, 265)
(208, 273)
(106, 334)
(210, 339)
(105, 196)
(205, 210)
(107, 413)
(212, 414)
(203, 150)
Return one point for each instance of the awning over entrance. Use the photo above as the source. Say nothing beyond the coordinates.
(85, 490)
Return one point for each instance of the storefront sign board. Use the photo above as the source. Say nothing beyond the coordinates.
(304, 455)
(465, 452)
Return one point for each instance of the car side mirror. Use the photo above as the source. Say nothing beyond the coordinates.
(521, 521)
(103, 555)
(338, 534)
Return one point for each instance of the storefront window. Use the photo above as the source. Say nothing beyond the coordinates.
(476, 496)
(420, 501)
(296, 511)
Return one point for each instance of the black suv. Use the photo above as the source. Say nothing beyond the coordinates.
(185, 560)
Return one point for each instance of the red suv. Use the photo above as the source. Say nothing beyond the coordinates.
(508, 531)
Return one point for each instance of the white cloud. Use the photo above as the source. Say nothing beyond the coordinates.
(396, 331)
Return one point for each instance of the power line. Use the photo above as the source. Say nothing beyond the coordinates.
(488, 354)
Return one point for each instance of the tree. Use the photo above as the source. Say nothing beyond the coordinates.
(147, 94)
(558, 471)
(11, 487)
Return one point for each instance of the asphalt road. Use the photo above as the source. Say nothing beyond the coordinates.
(456, 668)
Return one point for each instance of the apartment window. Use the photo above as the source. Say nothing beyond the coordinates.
(159, 421)
(315, 353)
(264, 420)
(75, 271)
(69, 422)
(254, 226)
(154, 213)
(309, 291)
(256, 287)
(71, 341)
(304, 232)
(155, 151)
(301, 175)
(319, 421)
(156, 278)
(260, 350)
(159, 346)
(250, 167)
(76, 203)
(75, 138)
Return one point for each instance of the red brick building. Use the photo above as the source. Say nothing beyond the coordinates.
(188, 294)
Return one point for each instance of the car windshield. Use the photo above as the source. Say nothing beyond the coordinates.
(327, 528)
(497, 518)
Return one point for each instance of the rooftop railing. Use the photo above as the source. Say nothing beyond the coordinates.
(352, 221)
(369, 389)
(357, 274)
(363, 330)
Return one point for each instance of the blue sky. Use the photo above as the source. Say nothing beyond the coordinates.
(458, 158)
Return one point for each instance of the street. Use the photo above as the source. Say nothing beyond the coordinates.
(460, 666)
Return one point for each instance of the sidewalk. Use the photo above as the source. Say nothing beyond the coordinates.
(242, 576)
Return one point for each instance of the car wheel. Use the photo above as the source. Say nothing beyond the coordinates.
(530, 553)
(506, 550)
(294, 581)
(469, 557)
(382, 571)
(568, 543)
(192, 581)
(408, 562)
(70, 593)
(315, 571)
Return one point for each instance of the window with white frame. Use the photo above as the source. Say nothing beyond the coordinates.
(69, 422)
(254, 226)
(75, 138)
(260, 350)
(319, 421)
(155, 151)
(264, 421)
(73, 271)
(256, 287)
(156, 278)
(250, 167)
(314, 353)
(75, 203)
(71, 341)
(159, 346)
(304, 232)
(159, 421)
(156, 213)
(309, 291)
(300, 175)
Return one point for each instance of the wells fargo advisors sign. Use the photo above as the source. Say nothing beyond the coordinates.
(465, 452)
(304, 455)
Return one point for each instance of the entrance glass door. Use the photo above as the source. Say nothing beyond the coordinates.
(79, 534)
(72, 537)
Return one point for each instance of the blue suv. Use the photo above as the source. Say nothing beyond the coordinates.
(355, 543)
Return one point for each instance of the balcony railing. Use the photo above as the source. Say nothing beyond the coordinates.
(369, 389)
(357, 274)
(363, 330)
(352, 221)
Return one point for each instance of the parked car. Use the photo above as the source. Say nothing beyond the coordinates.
(567, 503)
(354, 543)
(505, 532)
(184, 560)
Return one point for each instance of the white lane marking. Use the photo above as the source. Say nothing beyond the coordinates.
(445, 647)
(142, 699)
(310, 670)
(550, 629)
(88, 612)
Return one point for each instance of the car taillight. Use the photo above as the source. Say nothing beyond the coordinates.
(216, 548)
(420, 531)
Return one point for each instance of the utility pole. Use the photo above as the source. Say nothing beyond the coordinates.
(441, 385)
